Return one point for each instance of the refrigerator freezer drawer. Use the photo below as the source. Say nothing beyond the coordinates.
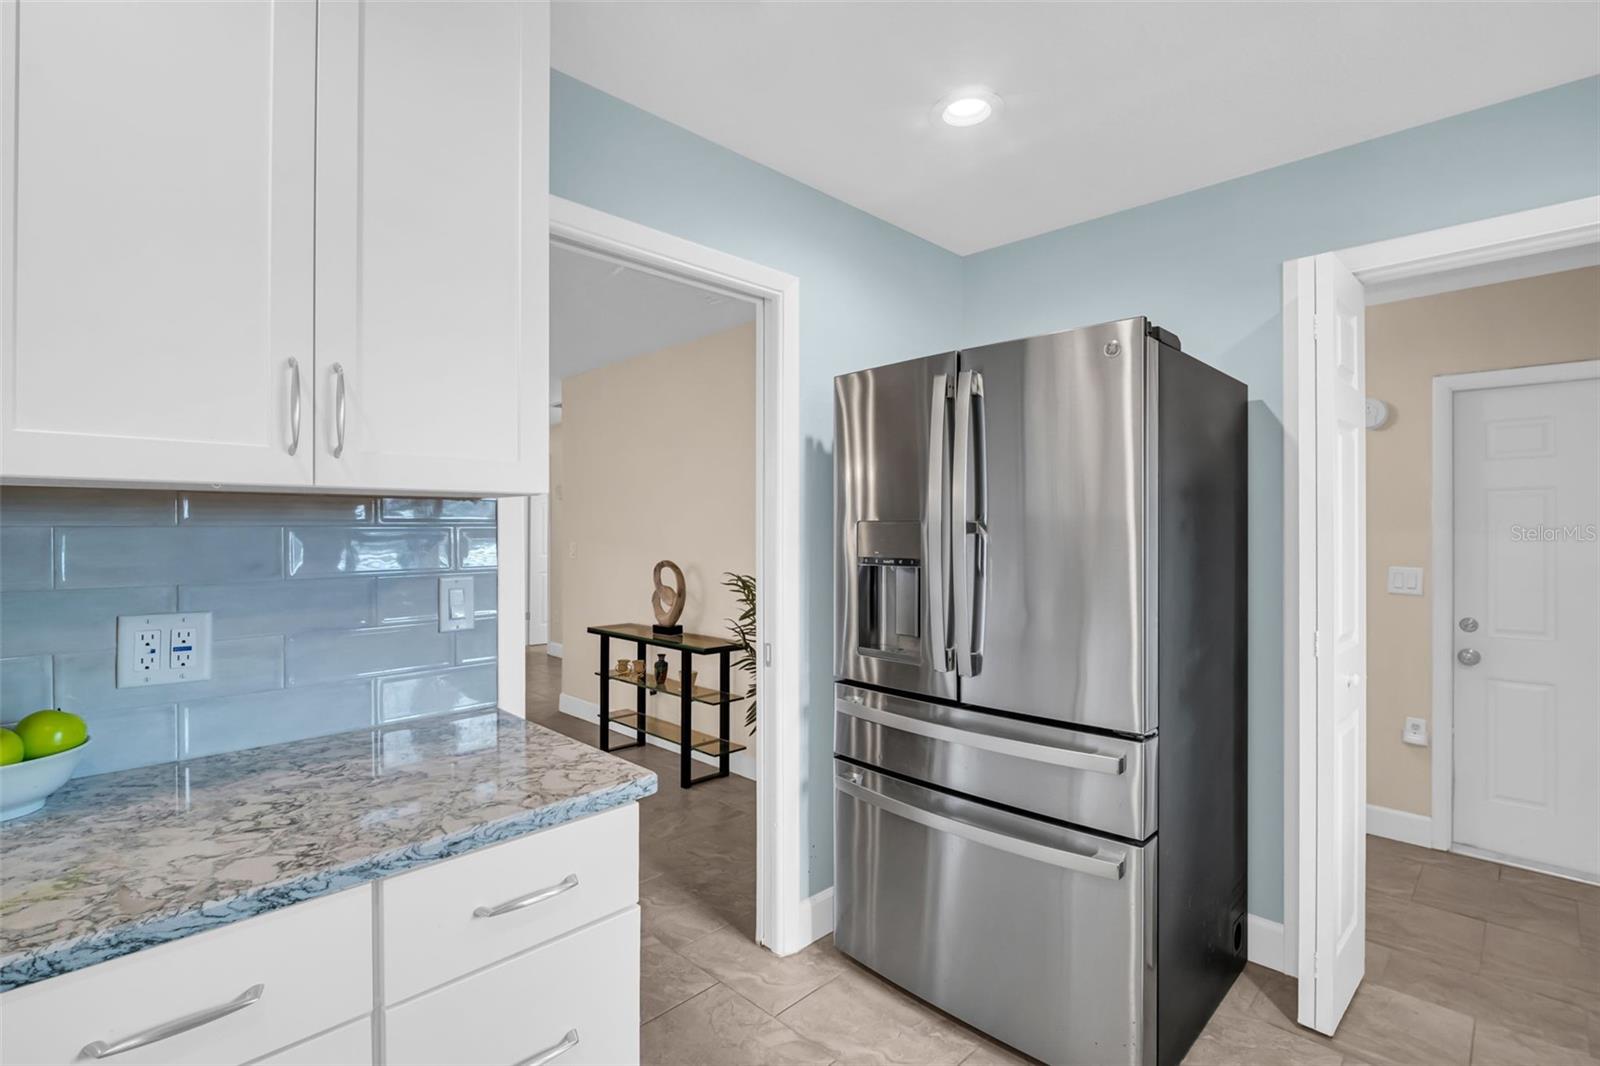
(1040, 936)
(1106, 784)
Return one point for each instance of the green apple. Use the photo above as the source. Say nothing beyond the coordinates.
(10, 747)
(48, 732)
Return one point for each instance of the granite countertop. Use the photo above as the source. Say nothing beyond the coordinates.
(128, 860)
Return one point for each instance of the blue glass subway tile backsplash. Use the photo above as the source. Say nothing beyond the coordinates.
(324, 613)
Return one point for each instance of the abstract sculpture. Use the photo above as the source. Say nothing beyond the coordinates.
(667, 603)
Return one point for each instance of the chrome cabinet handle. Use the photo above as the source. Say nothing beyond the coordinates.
(550, 1054)
(338, 409)
(294, 405)
(935, 531)
(102, 1049)
(1105, 864)
(1071, 758)
(566, 884)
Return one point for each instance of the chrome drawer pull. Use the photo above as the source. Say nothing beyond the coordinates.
(1071, 758)
(102, 1050)
(551, 1054)
(566, 884)
(1104, 863)
(338, 409)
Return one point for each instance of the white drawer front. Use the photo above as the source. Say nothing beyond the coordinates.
(583, 986)
(313, 962)
(348, 1045)
(571, 875)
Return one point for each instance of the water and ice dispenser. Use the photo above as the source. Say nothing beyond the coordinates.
(889, 589)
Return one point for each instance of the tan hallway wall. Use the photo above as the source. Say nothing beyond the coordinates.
(1550, 319)
(658, 462)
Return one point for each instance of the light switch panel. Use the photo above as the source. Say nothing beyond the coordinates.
(1405, 580)
(455, 604)
(163, 649)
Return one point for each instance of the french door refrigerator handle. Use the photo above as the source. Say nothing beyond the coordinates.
(980, 523)
(935, 531)
(1103, 864)
(1071, 758)
(969, 620)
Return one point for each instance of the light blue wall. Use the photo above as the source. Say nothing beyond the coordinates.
(869, 294)
(324, 613)
(1206, 264)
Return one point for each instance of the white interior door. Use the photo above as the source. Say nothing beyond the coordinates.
(1526, 675)
(1334, 899)
(539, 570)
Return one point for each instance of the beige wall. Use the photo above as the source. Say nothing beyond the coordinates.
(658, 462)
(1550, 319)
(557, 533)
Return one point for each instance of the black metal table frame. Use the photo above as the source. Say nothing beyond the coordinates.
(686, 776)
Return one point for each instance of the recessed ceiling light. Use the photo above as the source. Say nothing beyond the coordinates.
(967, 107)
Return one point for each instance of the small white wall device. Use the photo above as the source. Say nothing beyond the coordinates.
(163, 649)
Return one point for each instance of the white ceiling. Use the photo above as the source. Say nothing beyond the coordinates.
(602, 312)
(1106, 106)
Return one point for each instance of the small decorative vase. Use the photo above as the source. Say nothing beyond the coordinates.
(661, 670)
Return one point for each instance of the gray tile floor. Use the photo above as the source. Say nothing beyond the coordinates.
(1467, 961)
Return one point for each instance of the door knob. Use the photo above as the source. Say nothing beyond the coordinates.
(1468, 657)
(1468, 624)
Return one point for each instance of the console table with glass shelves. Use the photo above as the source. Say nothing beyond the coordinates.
(681, 732)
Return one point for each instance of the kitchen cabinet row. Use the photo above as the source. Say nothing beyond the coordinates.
(524, 952)
(275, 244)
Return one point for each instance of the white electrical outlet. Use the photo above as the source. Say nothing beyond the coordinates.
(163, 649)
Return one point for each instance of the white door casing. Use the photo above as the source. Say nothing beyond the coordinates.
(1526, 711)
(539, 569)
(158, 195)
(1338, 878)
(432, 245)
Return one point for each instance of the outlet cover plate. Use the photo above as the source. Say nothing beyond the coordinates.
(163, 649)
(1415, 732)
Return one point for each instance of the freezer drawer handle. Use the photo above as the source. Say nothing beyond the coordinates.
(1104, 864)
(1094, 762)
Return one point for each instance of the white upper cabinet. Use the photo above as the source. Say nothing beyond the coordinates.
(158, 191)
(433, 246)
(217, 201)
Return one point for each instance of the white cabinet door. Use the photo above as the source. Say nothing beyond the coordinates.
(433, 246)
(158, 191)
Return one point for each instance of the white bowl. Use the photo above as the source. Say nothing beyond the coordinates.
(25, 785)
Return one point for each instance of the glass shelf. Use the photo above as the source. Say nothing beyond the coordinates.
(710, 696)
(704, 743)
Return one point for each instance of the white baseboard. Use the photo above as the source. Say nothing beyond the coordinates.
(553, 649)
(816, 916)
(1266, 943)
(1403, 826)
(742, 763)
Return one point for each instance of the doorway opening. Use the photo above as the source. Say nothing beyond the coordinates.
(1396, 524)
(675, 437)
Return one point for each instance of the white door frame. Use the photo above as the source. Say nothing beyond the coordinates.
(1445, 387)
(783, 919)
(1468, 250)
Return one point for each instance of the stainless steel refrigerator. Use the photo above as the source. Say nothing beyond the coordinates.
(1039, 772)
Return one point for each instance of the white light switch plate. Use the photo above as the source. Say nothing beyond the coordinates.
(1405, 580)
(1416, 732)
(163, 649)
(456, 609)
